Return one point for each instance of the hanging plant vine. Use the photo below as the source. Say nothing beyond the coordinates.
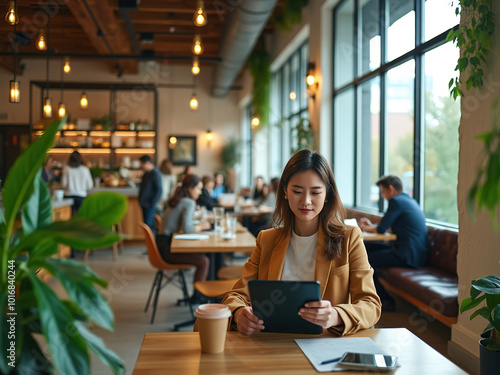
(259, 64)
(290, 15)
(473, 38)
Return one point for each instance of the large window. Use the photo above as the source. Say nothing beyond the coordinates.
(392, 109)
(289, 103)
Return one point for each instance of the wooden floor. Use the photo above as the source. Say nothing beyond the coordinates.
(130, 279)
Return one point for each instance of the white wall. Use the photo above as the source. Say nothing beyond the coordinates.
(174, 114)
(478, 243)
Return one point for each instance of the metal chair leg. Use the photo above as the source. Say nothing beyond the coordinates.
(156, 297)
(185, 292)
(151, 291)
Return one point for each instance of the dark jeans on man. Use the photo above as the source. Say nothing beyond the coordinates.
(148, 215)
(77, 202)
(381, 255)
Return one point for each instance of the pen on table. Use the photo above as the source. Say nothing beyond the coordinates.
(330, 361)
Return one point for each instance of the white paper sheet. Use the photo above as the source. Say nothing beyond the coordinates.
(191, 236)
(322, 349)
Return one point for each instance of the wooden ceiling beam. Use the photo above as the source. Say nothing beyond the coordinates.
(114, 39)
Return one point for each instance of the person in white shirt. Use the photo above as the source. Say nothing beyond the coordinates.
(76, 180)
(168, 183)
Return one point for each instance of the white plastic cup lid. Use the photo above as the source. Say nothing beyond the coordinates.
(212, 311)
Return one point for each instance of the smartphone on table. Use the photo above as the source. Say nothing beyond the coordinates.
(365, 361)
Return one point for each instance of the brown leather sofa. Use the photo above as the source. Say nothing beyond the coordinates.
(434, 287)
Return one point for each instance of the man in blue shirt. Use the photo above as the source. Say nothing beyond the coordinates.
(150, 190)
(406, 219)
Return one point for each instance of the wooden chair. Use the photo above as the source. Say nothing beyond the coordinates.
(230, 272)
(215, 289)
(177, 277)
(115, 228)
(159, 223)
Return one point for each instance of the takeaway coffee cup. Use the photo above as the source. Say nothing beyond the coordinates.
(212, 325)
(58, 194)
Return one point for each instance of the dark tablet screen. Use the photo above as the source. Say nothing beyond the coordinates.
(277, 303)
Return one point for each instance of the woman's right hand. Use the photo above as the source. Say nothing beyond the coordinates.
(246, 322)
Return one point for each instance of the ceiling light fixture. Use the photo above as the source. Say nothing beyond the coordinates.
(193, 103)
(14, 93)
(209, 136)
(11, 17)
(195, 69)
(67, 66)
(312, 84)
(41, 42)
(47, 101)
(255, 122)
(84, 102)
(197, 48)
(200, 16)
(62, 107)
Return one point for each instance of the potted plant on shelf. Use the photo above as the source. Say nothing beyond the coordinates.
(31, 311)
(486, 289)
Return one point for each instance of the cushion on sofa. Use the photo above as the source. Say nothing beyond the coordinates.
(443, 247)
(432, 286)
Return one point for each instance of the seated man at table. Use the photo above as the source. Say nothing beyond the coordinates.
(407, 221)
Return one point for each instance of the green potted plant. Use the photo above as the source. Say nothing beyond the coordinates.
(304, 136)
(31, 311)
(486, 289)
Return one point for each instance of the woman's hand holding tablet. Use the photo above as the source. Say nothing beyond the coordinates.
(321, 313)
(247, 322)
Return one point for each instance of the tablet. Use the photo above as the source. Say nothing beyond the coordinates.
(277, 303)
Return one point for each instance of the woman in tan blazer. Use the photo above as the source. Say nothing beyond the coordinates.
(309, 241)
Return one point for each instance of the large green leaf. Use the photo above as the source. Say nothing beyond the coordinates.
(37, 212)
(468, 303)
(32, 360)
(107, 356)
(487, 284)
(67, 347)
(79, 285)
(77, 232)
(495, 317)
(4, 341)
(45, 248)
(19, 182)
(104, 208)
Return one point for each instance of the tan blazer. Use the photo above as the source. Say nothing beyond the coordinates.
(347, 282)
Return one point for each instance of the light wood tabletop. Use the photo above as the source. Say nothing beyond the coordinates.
(244, 242)
(272, 353)
(368, 237)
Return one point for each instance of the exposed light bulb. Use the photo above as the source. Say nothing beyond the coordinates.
(11, 16)
(255, 122)
(66, 67)
(310, 80)
(173, 140)
(14, 92)
(47, 107)
(84, 103)
(200, 16)
(197, 48)
(41, 43)
(293, 95)
(195, 69)
(193, 103)
(209, 136)
(62, 110)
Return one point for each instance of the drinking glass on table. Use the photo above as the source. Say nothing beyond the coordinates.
(231, 221)
(218, 217)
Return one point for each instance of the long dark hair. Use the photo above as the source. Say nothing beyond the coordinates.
(189, 181)
(75, 159)
(331, 217)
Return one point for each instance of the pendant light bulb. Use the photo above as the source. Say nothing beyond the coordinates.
(11, 17)
(14, 93)
(84, 103)
(62, 110)
(255, 122)
(195, 69)
(200, 16)
(193, 103)
(66, 67)
(47, 107)
(197, 48)
(41, 42)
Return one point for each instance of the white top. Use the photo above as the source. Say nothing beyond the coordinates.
(168, 182)
(300, 258)
(77, 181)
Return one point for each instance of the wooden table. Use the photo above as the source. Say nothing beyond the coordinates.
(244, 242)
(370, 237)
(272, 353)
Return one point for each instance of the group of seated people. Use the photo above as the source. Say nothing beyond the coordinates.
(309, 241)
